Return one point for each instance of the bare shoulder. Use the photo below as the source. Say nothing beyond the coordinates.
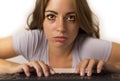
(115, 53)
(6, 48)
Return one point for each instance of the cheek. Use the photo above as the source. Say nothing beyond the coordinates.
(47, 33)
(74, 32)
(47, 27)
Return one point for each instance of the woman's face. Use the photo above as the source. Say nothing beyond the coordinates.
(60, 23)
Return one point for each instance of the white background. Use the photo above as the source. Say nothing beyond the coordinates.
(109, 15)
(13, 15)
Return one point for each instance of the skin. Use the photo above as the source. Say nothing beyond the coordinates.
(60, 21)
(61, 28)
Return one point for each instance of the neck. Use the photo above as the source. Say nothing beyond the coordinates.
(60, 57)
(60, 51)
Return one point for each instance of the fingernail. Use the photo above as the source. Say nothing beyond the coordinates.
(39, 74)
(76, 71)
(46, 74)
(89, 73)
(98, 71)
(28, 74)
(52, 72)
(81, 73)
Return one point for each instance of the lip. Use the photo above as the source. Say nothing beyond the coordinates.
(60, 38)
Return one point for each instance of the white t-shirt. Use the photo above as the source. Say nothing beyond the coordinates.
(33, 46)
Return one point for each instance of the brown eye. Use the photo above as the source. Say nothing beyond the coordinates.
(50, 17)
(71, 18)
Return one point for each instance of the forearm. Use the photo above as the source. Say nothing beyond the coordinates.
(7, 66)
(113, 63)
(113, 67)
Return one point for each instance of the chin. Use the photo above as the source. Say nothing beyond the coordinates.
(58, 44)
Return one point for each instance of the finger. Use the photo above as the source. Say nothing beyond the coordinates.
(90, 66)
(100, 66)
(51, 70)
(26, 69)
(45, 68)
(37, 67)
(77, 69)
(83, 66)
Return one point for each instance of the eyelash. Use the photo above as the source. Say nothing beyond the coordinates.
(68, 18)
(71, 18)
(51, 17)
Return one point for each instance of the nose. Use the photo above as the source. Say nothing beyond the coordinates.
(61, 25)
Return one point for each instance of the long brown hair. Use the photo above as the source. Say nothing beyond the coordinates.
(87, 20)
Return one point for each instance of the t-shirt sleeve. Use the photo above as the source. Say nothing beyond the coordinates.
(26, 43)
(96, 49)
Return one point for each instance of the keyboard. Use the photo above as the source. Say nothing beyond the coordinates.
(61, 77)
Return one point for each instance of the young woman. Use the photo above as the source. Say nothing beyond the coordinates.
(63, 34)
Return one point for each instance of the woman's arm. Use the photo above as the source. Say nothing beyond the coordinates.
(6, 48)
(113, 63)
(7, 51)
(7, 66)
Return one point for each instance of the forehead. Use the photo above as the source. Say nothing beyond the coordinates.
(60, 5)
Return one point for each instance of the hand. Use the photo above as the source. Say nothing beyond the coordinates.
(86, 66)
(40, 67)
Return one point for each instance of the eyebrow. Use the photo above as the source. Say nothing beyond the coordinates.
(57, 12)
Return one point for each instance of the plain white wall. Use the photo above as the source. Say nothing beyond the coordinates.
(109, 15)
(13, 15)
